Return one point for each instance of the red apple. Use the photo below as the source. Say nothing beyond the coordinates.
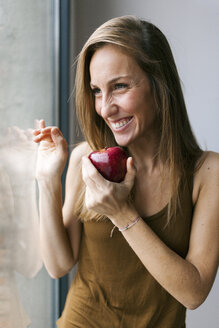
(110, 162)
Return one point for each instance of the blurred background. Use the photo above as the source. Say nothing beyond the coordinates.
(39, 42)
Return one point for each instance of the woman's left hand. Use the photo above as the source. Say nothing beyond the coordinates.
(105, 197)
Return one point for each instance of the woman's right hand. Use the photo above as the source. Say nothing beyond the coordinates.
(52, 152)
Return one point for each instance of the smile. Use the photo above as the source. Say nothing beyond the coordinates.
(121, 123)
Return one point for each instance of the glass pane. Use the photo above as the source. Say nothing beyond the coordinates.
(26, 93)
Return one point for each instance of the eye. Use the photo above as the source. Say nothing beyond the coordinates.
(96, 91)
(120, 86)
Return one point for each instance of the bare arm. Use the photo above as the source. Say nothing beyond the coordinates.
(54, 242)
(73, 186)
(188, 280)
(59, 228)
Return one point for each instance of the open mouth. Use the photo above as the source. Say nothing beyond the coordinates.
(121, 123)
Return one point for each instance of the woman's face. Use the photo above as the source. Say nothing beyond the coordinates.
(122, 95)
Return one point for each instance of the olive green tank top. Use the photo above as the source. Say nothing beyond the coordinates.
(113, 289)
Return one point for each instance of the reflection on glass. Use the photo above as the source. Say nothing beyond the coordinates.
(27, 58)
(19, 230)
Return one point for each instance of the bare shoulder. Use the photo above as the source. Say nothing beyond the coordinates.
(209, 166)
(74, 182)
(73, 177)
(207, 174)
(82, 149)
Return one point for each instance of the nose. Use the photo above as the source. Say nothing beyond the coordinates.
(108, 106)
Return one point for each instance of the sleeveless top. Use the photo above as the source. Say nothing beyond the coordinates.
(113, 289)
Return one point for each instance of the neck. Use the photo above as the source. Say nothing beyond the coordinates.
(144, 153)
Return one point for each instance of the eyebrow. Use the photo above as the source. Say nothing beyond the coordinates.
(113, 80)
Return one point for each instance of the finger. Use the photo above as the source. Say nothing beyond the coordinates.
(52, 129)
(42, 137)
(131, 173)
(44, 131)
(93, 173)
(36, 132)
(56, 134)
(85, 174)
(59, 140)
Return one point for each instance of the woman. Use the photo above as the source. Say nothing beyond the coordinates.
(163, 257)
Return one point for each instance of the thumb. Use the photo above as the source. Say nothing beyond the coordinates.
(131, 172)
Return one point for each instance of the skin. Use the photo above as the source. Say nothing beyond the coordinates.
(60, 231)
(122, 93)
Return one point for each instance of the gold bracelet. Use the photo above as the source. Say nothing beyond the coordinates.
(126, 227)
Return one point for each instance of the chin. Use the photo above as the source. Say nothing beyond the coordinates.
(125, 139)
(123, 142)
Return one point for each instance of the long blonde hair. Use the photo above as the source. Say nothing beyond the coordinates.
(146, 44)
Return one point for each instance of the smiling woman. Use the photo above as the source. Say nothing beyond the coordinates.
(163, 257)
(137, 54)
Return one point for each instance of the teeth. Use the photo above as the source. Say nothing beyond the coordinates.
(118, 125)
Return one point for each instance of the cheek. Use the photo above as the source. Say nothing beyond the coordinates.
(142, 105)
(127, 103)
(131, 104)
